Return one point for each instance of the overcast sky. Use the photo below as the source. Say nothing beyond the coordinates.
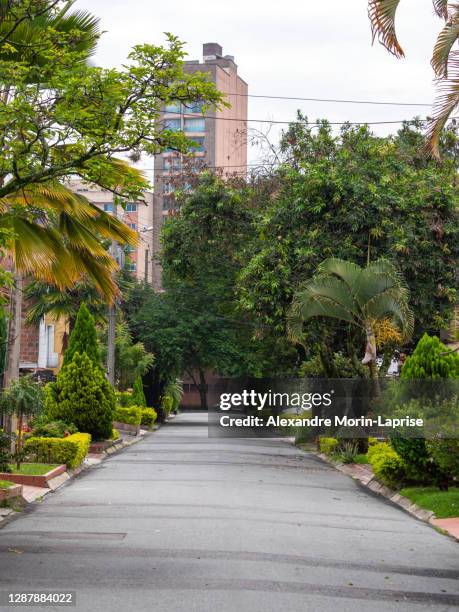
(298, 48)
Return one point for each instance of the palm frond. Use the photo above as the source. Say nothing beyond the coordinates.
(445, 104)
(321, 297)
(441, 8)
(347, 271)
(394, 305)
(110, 227)
(382, 19)
(54, 196)
(442, 53)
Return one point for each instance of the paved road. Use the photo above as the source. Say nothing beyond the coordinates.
(180, 522)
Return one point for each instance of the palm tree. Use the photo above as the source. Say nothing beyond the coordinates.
(360, 296)
(57, 237)
(445, 60)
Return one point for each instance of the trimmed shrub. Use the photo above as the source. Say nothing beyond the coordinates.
(83, 338)
(138, 396)
(379, 447)
(53, 429)
(115, 434)
(131, 415)
(167, 403)
(71, 450)
(5, 445)
(328, 446)
(431, 359)
(445, 452)
(82, 395)
(387, 466)
(124, 398)
(415, 455)
(149, 417)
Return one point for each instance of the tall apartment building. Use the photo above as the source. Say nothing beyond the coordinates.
(137, 215)
(221, 136)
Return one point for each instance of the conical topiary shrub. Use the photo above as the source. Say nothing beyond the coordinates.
(431, 359)
(138, 396)
(83, 338)
(82, 395)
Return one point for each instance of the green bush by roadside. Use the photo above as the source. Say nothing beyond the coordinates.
(167, 403)
(387, 466)
(124, 398)
(149, 417)
(82, 395)
(70, 450)
(52, 429)
(328, 446)
(131, 415)
(445, 453)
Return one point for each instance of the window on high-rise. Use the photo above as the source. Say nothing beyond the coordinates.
(193, 107)
(173, 124)
(195, 125)
(131, 266)
(198, 144)
(173, 107)
(131, 207)
(168, 203)
(132, 225)
(172, 163)
(108, 207)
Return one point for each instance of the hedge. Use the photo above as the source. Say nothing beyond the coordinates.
(70, 450)
(328, 445)
(387, 465)
(130, 416)
(149, 417)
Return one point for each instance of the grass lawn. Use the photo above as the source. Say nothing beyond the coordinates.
(33, 469)
(361, 458)
(5, 484)
(445, 504)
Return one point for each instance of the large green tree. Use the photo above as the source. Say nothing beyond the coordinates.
(60, 116)
(355, 196)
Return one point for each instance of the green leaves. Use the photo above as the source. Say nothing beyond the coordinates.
(83, 339)
(83, 396)
(61, 116)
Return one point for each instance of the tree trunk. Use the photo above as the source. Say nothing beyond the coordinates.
(111, 344)
(19, 441)
(203, 390)
(14, 343)
(370, 358)
(14, 332)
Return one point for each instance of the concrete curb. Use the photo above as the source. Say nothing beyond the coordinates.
(427, 516)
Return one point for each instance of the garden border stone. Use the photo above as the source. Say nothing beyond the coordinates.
(34, 481)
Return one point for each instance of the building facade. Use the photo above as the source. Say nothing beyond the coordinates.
(220, 137)
(137, 215)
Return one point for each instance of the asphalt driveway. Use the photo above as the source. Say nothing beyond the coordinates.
(181, 522)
